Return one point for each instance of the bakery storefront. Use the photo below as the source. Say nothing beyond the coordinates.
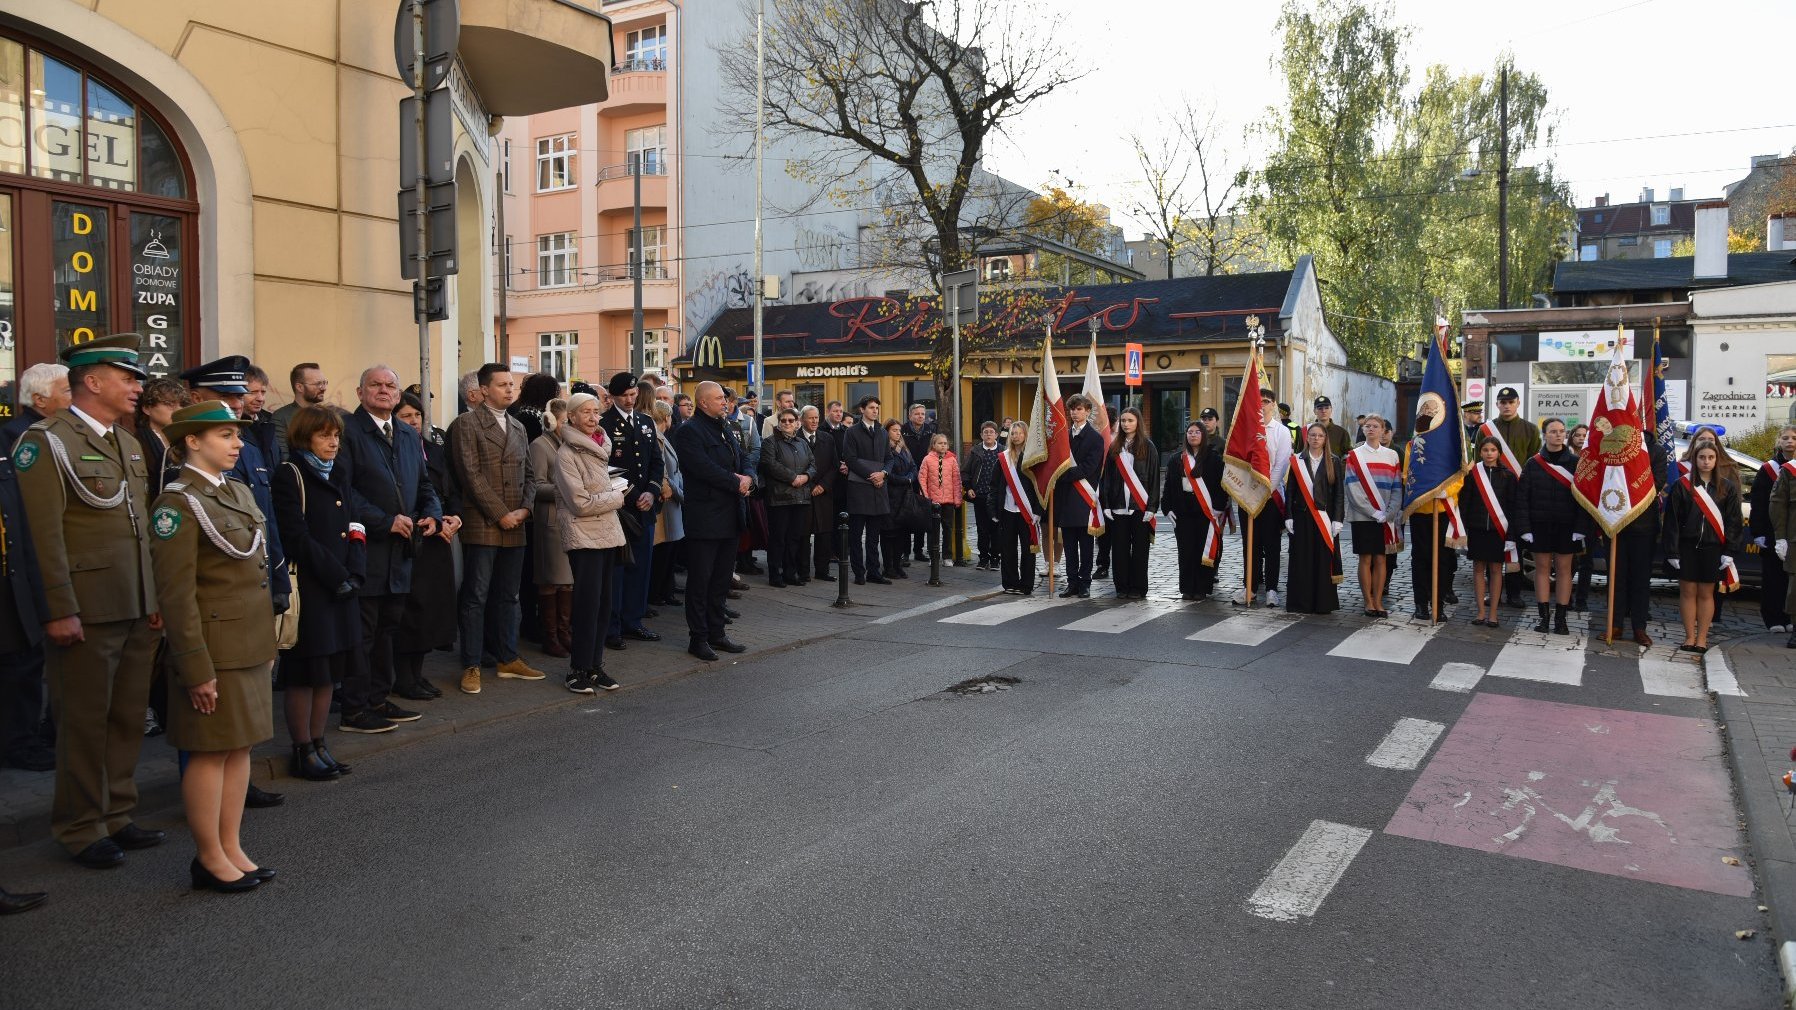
(98, 224)
(1193, 332)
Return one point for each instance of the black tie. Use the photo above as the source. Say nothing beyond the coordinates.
(386, 430)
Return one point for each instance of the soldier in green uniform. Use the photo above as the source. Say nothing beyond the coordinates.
(82, 475)
(1522, 436)
(210, 552)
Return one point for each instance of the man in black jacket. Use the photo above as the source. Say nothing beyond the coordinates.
(636, 456)
(715, 487)
(22, 612)
(864, 453)
(824, 491)
(919, 431)
(392, 497)
(1072, 511)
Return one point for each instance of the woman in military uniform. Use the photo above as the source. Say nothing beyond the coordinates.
(211, 576)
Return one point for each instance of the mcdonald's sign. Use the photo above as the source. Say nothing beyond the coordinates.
(708, 353)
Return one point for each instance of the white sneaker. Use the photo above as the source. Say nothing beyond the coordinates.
(1272, 597)
(1240, 597)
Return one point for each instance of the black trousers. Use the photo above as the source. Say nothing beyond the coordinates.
(21, 701)
(986, 526)
(1633, 577)
(1102, 542)
(1129, 537)
(788, 541)
(366, 684)
(863, 544)
(1017, 561)
(1079, 546)
(825, 535)
(892, 545)
(1774, 592)
(1427, 554)
(709, 565)
(1268, 537)
(661, 576)
(593, 570)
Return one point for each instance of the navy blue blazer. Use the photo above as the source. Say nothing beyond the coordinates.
(386, 480)
(1070, 509)
(635, 455)
(709, 463)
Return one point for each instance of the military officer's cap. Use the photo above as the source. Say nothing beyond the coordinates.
(116, 349)
(226, 375)
(1472, 406)
(1209, 414)
(620, 384)
(1507, 393)
(195, 418)
(1323, 401)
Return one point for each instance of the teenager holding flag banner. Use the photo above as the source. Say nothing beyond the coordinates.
(1614, 476)
(1093, 390)
(1433, 467)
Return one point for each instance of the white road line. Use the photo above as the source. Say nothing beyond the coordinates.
(1115, 620)
(1670, 678)
(1250, 629)
(933, 605)
(998, 613)
(1550, 659)
(1459, 677)
(1404, 747)
(1720, 674)
(1296, 887)
(1386, 643)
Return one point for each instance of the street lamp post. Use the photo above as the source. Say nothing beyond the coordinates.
(760, 379)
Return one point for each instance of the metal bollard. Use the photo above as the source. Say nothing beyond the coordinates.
(935, 546)
(842, 565)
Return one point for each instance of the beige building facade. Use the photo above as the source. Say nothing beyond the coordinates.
(223, 176)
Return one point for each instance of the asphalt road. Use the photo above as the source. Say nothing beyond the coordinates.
(824, 827)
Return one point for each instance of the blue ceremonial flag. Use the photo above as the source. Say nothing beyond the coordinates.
(1436, 456)
(1659, 424)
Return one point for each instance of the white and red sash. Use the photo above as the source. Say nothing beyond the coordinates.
(1367, 485)
(1095, 524)
(1490, 428)
(1137, 493)
(1201, 491)
(1494, 509)
(1788, 466)
(1706, 505)
(1300, 467)
(1022, 500)
(1554, 470)
(1683, 471)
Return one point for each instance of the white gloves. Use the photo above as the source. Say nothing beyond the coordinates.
(1508, 546)
(1337, 529)
(1727, 562)
(1759, 542)
(1291, 526)
(1381, 517)
(1783, 549)
(1673, 562)
(1527, 538)
(1577, 538)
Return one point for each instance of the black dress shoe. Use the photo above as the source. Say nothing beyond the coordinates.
(428, 688)
(733, 594)
(133, 837)
(879, 580)
(410, 693)
(861, 580)
(642, 635)
(259, 799)
(1067, 593)
(101, 855)
(203, 880)
(701, 650)
(615, 642)
(650, 612)
(725, 645)
(13, 904)
(731, 614)
(263, 873)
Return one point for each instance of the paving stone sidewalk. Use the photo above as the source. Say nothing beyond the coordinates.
(772, 619)
(1759, 724)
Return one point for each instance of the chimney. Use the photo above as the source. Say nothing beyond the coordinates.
(1774, 233)
(1711, 240)
(1677, 194)
(1603, 201)
(1646, 194)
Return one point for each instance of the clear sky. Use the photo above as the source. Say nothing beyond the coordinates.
(1661, 93)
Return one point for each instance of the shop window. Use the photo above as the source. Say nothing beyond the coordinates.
(854, 391)
(555, 163)
(555, 353)
(1780, 389)
(809, 394)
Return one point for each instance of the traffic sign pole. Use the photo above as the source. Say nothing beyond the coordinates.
(421, 247)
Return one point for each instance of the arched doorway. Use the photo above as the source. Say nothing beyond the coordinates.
(470, 234)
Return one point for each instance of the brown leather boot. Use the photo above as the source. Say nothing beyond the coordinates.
(564, 617)
(546, 612)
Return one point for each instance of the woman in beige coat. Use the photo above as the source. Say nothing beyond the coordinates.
(554, 578)
(587, 498)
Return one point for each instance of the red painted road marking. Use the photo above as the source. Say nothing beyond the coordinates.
(1631, 794)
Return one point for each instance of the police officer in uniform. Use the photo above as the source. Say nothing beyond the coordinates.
(636, 456)
(83, 478)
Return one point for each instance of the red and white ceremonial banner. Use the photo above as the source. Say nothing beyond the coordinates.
(1247, 459)
(1046, 453)
(1094, 391)
(1614, 480)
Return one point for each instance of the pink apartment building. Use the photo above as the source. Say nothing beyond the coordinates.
(566, 253)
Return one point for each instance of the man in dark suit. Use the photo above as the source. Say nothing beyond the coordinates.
(1072, 513)
(828, 457)
(636, 456)
(864, 452)
(918, 432)
(392, 498)
(715, 487)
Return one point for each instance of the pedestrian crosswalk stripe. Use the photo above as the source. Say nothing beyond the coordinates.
(999, 613)
(1457, 677)
(1549, 659)
(1404, 747)
(1670, 678)
(1250, 629)
(1719, 674)
(1297, 886)
(1115, 620)
(1386, 642)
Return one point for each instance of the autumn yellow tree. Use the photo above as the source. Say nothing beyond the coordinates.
(1061, 216)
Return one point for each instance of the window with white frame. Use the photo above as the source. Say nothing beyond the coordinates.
(1587, 252)
(654, 251)
(1661, 215)
(654, 350)
(997, 268)
(1661, 248)
(646, 49)
(555, 163)
(505, 163)
(648, 147)
(557, 260)
(555, 353)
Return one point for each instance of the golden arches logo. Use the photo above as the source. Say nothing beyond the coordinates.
(708, 353)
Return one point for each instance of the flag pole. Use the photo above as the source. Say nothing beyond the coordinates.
(1048, 545)
(1247, 559)
(1609, 629)
(1434, 609)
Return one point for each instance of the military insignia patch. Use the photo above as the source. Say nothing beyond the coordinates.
(165, 522)
(26, 455)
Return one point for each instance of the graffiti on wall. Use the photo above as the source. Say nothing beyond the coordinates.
(820, 249)
(720, 290)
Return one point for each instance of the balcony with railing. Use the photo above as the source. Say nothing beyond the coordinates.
(637, 84)
(617, 190)
(617, 288)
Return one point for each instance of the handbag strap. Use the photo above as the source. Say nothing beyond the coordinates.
(299, 479)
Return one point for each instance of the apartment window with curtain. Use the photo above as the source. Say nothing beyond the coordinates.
(648, 147)
(654, 251)
(555, 353)
(555, 163)
(646, 49)
(557, 260)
